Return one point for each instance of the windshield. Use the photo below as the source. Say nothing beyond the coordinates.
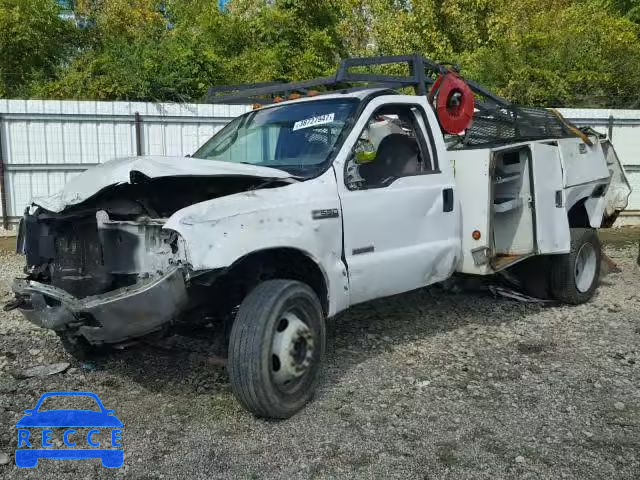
(297, 138)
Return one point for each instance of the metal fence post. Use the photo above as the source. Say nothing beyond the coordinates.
(3, 183)
(138, 122)
(610, 130)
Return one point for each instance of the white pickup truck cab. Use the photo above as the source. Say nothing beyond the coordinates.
(294, 212)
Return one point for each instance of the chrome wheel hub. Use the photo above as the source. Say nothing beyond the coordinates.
(291, 349)
(585, 268)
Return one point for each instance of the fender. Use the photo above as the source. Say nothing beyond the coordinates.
(305, 216)
(594, 205)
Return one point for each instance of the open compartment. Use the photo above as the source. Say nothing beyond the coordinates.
(512, 218)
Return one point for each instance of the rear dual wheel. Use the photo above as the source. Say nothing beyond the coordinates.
(276, 347)
(570, 278)
(574, 276)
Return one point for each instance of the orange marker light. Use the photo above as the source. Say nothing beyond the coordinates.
(476, 235)
(294, 96)
(278, 100)
(256, 106)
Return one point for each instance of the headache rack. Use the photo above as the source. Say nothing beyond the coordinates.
(495, 121)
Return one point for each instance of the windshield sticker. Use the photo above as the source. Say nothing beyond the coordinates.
(313, 121)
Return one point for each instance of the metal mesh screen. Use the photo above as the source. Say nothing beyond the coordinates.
(511, 125)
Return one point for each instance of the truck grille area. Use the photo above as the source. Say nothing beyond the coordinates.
(77, 266)
(91, 255)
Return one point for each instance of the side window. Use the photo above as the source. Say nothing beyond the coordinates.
(390, 146)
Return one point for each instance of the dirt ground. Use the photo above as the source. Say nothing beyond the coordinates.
(426, 385)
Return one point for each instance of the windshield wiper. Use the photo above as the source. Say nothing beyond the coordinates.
(271, 181)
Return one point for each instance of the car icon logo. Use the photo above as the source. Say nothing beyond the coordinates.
(31, 447)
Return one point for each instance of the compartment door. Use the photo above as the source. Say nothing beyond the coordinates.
(552, 223)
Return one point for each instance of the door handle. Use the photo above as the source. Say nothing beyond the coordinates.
(447, 200)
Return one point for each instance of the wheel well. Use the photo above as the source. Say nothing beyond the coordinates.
(284, 263)
(578, 216)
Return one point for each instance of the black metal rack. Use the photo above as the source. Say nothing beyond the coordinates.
(496, 121)
(421, 77)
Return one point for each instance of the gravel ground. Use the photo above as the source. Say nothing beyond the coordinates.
(424, 385)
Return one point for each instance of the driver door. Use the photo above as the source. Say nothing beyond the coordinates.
(400, 211)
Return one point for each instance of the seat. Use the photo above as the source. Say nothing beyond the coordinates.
(397, 156)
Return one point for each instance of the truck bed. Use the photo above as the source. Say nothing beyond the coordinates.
(523, 198)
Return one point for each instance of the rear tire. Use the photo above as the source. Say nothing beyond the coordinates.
(574, 277)
(532, 276)
(276, 347)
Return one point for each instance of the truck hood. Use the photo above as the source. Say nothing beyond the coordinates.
(119, 171)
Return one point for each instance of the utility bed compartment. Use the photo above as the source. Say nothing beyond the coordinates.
(514, 197)
(511, 215)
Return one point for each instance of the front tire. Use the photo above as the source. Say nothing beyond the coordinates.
(276, 347)
(574, 276)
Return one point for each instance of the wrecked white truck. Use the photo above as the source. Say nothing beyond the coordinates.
(299, 209)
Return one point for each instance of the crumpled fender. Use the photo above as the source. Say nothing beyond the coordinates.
(304, 216)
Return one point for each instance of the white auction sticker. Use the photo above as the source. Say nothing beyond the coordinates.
(313, 121)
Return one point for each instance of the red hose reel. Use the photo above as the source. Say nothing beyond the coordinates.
(454, 103)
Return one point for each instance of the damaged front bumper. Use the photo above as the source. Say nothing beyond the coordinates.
(112, 317)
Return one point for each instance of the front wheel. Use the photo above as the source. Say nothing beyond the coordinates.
(574, 276)
(276, 347)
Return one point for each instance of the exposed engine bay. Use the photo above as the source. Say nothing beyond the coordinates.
(105, 270)
(116, 238)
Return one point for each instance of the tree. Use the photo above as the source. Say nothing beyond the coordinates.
(541, 52)
(440, 29)
(285, 39)
(178, 52)
(574, 55)
(124, 57)
(628, 8)
(129, 19)
(34, 41)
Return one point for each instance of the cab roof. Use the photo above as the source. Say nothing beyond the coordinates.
(359, 94)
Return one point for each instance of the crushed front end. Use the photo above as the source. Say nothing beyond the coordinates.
(100, 279)
(101, 266)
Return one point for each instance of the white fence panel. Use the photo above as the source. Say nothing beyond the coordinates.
(43, 143)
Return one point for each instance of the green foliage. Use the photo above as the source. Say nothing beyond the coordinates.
(538, 52)
(33, 42)
(542, 52)
(577, 55)
(438, 28)
(629, 8)
(145, 55)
